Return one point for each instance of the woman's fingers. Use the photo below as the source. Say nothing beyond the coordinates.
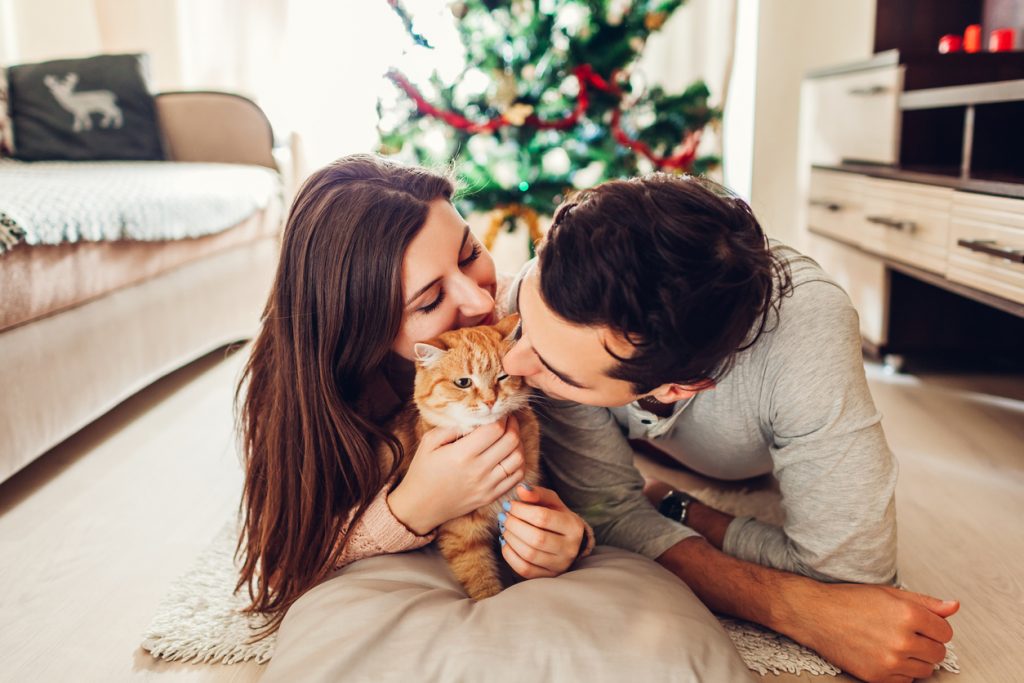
(504, 484)
(561, 522)
(540, 495)
(499, 450)
(541, 540)
(516, 552)
(439, 436)
(485, 436)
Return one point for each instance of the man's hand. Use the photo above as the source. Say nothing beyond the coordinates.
(876, 633)
(541, 535)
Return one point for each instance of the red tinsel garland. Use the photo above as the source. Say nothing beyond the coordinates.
(585, 75)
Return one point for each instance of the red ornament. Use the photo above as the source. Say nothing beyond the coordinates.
(950, 43)
(1001, 40)
(972, 38)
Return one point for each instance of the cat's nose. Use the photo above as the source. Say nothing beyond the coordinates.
(490, 403)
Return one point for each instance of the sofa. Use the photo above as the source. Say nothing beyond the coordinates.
(88, 321)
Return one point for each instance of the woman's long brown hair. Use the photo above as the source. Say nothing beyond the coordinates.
(332, 315)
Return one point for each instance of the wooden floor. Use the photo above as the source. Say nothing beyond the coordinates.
(92, 533)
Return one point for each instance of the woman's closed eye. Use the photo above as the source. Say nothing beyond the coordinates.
(474, 254)
(434, 304)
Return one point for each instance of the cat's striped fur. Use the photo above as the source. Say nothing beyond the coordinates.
(469, 543)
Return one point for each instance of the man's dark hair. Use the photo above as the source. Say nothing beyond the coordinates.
(676, 264)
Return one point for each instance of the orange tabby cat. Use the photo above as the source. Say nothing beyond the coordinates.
(460, 383)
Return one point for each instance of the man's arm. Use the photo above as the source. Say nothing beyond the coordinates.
(590, 464)
(876, 633)
(836, 473)
(870, 631)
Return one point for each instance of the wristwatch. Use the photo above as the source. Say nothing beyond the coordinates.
(675, 505)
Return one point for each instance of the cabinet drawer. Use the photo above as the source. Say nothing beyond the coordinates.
(864, 278)
(907, 222)
(835, 206)
(986, 244)
(856, 116)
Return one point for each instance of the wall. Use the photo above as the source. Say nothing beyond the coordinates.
(794, 37)
(38, 30)
(33, 30)
(777, 42)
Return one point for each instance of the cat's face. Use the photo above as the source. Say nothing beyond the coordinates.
(460, 381)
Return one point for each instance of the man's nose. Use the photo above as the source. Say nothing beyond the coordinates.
(520, 361)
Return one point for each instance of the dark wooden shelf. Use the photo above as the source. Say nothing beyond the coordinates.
(977, 185)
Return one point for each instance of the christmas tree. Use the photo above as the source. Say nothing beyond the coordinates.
(549, 100)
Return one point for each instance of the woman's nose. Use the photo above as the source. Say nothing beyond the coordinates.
(473, 299)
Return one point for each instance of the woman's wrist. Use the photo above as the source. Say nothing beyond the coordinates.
(408, 511)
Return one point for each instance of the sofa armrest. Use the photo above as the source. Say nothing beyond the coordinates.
(214, 126)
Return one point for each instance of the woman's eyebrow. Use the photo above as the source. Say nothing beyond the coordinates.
(424, 288)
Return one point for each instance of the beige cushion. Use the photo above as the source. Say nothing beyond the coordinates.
(618, 617)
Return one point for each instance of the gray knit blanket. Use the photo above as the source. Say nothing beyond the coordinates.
(52, 202)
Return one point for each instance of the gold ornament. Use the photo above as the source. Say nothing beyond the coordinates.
(518, 113)
(655, 20)
(505, 90)
(502, 213)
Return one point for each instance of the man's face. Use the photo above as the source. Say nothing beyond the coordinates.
(563, 360)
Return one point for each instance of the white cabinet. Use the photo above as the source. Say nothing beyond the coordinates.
(986, 244)
(835, 205)
(855, 116)
(864, 278)
(907, 222)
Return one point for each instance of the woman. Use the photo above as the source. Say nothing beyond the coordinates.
(374, 259)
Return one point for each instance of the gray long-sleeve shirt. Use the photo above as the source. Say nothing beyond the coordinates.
(796, 404)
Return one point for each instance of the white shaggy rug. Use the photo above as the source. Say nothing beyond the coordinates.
(198, 620)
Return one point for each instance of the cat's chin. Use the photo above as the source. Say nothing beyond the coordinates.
(463, 424)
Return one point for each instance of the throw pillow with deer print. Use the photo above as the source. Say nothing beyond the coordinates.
(96, 108)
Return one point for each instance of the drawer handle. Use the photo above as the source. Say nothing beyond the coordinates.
(991, 248)
(831, 206)
(869, 91)
(893, 223)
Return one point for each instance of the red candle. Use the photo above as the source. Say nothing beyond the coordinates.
(1001, 40)
(972, 38)
(950, 43)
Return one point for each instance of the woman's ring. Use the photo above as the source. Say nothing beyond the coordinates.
(503, 469)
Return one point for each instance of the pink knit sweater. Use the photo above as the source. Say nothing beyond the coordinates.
(378, 532)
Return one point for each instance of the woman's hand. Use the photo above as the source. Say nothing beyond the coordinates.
(449, 477)
(541, 536)
(878, 633)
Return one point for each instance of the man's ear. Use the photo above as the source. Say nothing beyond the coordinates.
(671, 392)
(428, 353)
(507, 325)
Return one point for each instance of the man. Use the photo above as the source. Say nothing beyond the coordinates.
(656, 310)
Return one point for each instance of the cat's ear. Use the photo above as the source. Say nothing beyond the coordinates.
(427, 354)
(507, 325)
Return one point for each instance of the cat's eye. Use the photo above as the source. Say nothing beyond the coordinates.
(463, 382)
(502, 378)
